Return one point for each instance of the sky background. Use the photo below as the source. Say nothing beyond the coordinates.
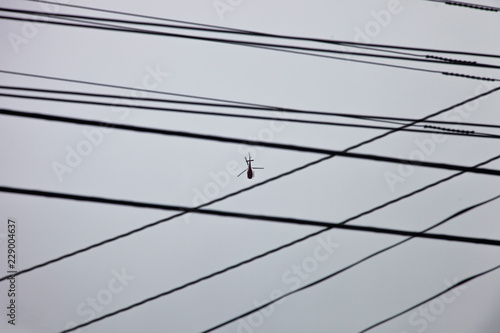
(178, 171)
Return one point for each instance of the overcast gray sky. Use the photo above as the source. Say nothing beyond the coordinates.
(169, 170)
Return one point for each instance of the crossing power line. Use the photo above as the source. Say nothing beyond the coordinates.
(273, 179)
(218, 138)
(262, 306)
(468, 5)
(450, 288)
(448, 74)
(219, 29)
(279, 219)
(282, 110)
(270, 46)
(191, 283)
(432, 130)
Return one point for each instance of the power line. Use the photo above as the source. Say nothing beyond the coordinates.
(468, 5)
(459, 283)
(218, 138)
(325, 225)
(285, 48)
(377, 47)
(394, 120)
(215, 27)
(262, 306)
(279, 219)
(323, 159)
(453, 132)
(150, 225)
(282, 247)
(449, 61)
(247, 188)
(314, 283)
(239, 104)
(220, 29)
(85, 19)
(114, 86)
(264, 182)
(274, 178)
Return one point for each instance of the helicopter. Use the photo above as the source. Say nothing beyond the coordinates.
(250, 168)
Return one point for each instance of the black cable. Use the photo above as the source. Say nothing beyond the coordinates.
(281, 49)
(439, 130)
(237, 193)
(213, 27)
(220, 29)
(278, 219)
(238, 104)
(270, 180)
(394, 120)
(107, 85)
(109, 27)
(85, 19)
(218, 138)
(284, 48)
(147, 226)
(259, 184)
(262, 255)
(246, 107)
(329, 276)
(459, 283)
(196, 209)
(468, 5)
(248, 188)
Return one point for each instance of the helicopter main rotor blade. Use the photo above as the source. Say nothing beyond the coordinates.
(242, 172)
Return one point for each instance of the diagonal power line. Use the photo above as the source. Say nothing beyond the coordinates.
(242, 106)
(264, 182)
(218, 138)
(457, 284)
(293, 242)
(268, 218)
(115, 86)
(453, 132)
(222, 29)
(245, 189)
(185, 25)
(281, 48)
(468, 5)
(327, 277)
(314, 283)
(224, 270)
(103, 23)
(239, 104)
